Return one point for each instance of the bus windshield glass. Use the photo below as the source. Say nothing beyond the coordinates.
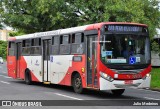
(125, 49)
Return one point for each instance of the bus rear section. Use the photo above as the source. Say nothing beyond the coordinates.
(11, 59)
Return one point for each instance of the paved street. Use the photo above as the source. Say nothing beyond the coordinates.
(11, 89)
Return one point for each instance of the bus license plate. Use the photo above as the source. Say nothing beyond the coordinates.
(128, 82)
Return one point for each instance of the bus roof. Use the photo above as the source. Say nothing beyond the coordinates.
(69, 30)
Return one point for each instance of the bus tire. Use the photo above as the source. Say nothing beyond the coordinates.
(77, 83)
(118, 92)
(28, 79)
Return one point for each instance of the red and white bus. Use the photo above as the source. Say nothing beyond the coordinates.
(101, 56)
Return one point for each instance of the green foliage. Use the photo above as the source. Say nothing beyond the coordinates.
(155, 47)
(3, 49)
(31, 16)
(1, 26)
(43, 15)
(155, 78)
(15, 33)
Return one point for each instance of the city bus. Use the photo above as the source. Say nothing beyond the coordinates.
(155, 57)
(102, 56)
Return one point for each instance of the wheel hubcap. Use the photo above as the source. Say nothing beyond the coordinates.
(78, 82)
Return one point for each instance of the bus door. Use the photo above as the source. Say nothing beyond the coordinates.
(92, 61)
(18, 58)
(46, 59)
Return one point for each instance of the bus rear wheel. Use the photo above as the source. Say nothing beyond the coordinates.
(28, 79)
(77, 83)
(118, 92)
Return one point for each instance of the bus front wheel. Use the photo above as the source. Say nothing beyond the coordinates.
(77, 83)
(28, 79)
(118, 92)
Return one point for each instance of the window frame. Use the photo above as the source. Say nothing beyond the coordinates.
(55, 45)
(11, 48)
(63, 44)
(82, 41)
(36, 43)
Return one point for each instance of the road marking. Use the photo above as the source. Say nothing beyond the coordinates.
(68, 96)
(149, 90)
(4, 82)
(5, 76)
(151, 98)
(3, 72)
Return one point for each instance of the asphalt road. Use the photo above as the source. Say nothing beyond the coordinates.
(11, 89)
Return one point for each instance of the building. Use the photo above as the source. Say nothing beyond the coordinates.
(4, 34)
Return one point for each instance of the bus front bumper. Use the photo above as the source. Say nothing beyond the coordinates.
(121, 84)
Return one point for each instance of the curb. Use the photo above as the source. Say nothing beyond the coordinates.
(155, 89)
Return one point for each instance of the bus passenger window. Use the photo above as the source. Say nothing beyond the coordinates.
(52, 40)
(82, 38)
(23, 43)
(73, 38)
(65, 44)
(40, 41)
(78, 45)
(11, 49)
(80, 49)
(32, 42)
(61, 39)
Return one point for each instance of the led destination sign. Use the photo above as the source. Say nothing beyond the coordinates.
(125, 28)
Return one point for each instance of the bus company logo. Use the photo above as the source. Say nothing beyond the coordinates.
(6, 103)
(37, 64)
(51, 59)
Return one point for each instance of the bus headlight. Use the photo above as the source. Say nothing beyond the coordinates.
(107, 77)
(147, 75)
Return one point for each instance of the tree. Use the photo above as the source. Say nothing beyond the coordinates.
(15, 33)
(141, 11)
(36, 15)
(43, 15)
(155, 47)
(3, 49)
(1, 27)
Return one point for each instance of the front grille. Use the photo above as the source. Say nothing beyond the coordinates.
(126, 85)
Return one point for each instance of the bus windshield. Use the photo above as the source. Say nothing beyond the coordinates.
(125, 49)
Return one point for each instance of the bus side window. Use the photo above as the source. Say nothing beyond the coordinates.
(36, 46)
(77, 43)
(26, 47)
(23, 43)
(11, 49)
(55, 45)
(61, 39)
(65, 44)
